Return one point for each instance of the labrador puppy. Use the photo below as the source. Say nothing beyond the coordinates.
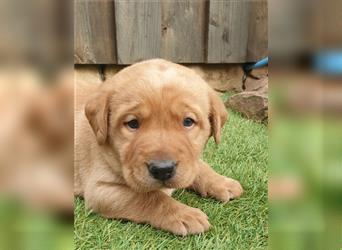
(139, 136)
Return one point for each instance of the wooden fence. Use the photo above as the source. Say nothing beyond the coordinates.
(184, 31)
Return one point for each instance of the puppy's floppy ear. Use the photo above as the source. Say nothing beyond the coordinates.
(218, 115)
(96, 111)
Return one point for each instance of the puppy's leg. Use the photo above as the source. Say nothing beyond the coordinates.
(155, 208)
(210, 183)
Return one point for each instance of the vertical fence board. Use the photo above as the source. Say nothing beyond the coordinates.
(228, 31)
(183, 30)
(258, 31)
(186, 31)
(138, 27)
(94, 32)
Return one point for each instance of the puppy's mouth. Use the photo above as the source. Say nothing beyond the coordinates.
(145, 183)
(152, 184)
(169, 184)
(145, 179)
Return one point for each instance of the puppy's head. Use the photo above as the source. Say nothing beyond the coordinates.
(156, 116)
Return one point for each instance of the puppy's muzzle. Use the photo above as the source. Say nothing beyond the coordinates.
(162, 170)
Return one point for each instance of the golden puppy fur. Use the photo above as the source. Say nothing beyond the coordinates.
(110, 157)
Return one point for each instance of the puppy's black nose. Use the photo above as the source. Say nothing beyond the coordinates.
(162, 169)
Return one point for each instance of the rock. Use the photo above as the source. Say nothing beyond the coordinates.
(257, 84)
(253, 103)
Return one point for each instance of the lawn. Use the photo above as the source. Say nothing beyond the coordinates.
(238, 224)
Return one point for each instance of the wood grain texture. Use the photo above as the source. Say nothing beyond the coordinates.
(184, 30)
(138, 30)
(228, 31)
(94, 40)
(257, 46)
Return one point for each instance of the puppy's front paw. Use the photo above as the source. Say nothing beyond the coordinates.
(224, 189)
(186, 220)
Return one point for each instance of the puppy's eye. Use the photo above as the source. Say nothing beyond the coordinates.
(188, 122)
(133, 124)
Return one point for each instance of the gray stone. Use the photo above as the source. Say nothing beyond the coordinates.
(253, 103)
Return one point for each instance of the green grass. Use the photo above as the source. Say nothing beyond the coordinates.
(238, 224)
